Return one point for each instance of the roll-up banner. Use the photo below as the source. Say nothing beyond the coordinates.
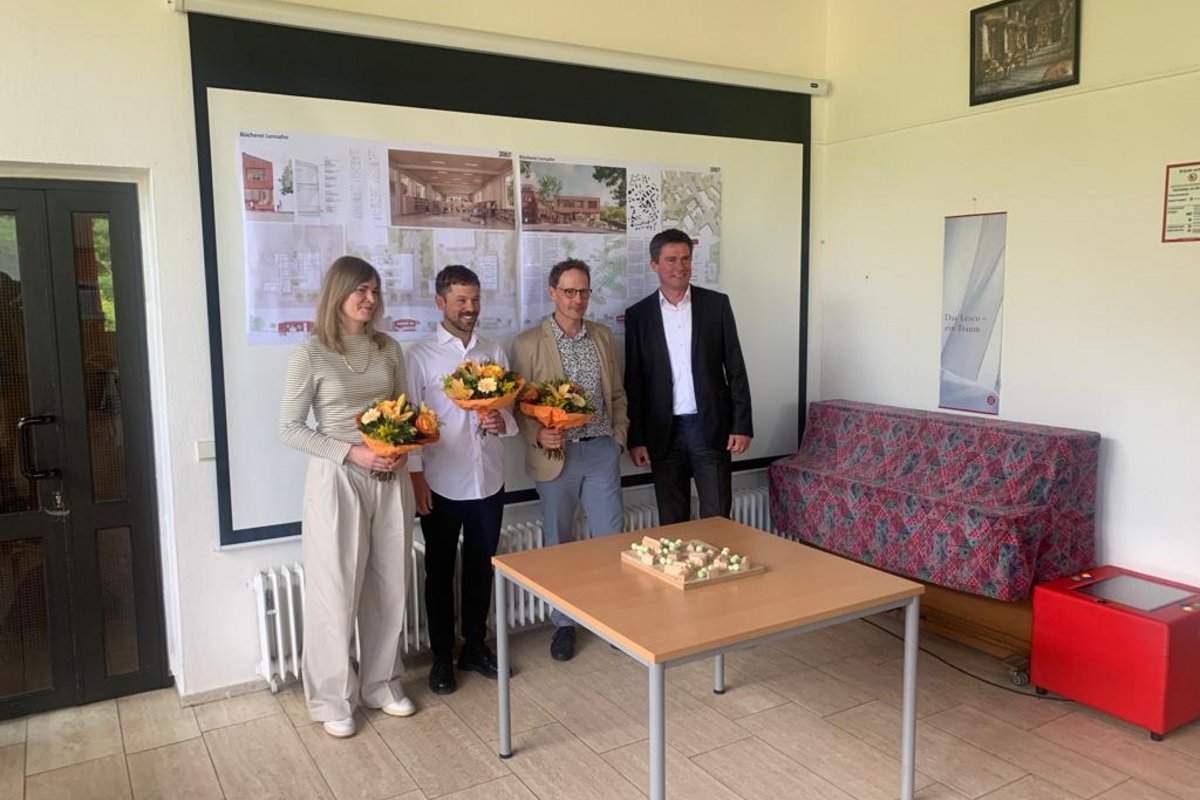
(972, 304)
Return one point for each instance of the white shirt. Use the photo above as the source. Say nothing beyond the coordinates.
(463, 465)
(677, 326)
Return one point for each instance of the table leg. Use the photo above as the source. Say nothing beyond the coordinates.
(908, 725)
(719, 674)
(502, 667)
(658, 733)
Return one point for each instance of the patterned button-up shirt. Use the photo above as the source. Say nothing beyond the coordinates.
(581, 361)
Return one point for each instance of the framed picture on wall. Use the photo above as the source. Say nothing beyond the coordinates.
(1023, 46)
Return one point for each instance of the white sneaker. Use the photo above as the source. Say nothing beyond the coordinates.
(400, 708)
(341, 729)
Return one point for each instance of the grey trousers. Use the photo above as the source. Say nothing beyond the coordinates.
(357, 540)
(591, 475)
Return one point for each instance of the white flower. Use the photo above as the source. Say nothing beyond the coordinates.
(487, 384)
(370, 415)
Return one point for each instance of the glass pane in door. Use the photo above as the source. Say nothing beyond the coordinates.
(98, 341)
(114, 561)
(24, 622)
(17, 494)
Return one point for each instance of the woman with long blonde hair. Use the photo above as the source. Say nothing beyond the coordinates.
(357, 530)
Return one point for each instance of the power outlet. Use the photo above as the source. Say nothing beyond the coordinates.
(206, 450)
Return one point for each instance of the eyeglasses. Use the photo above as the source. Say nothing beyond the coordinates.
(573, 293)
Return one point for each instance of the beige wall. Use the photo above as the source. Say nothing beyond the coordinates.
(96, 90)
(102, 90)
(1100, 327)
(784, 36)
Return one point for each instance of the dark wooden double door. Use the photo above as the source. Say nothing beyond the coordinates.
(80, 589)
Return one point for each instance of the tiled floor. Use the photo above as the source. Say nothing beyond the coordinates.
(810, 717)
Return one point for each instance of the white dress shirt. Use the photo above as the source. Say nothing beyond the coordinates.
(677, 325)
(462, 465)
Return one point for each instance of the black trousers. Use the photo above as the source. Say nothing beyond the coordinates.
(689, 457)
(479, 523)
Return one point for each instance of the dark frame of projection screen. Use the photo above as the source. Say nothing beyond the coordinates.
(258, 57)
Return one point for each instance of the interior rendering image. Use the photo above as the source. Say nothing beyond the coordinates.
(450, 191)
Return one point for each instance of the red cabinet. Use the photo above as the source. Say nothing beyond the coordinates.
(1124, 643)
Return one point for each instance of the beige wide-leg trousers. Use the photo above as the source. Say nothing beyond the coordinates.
(357, 540)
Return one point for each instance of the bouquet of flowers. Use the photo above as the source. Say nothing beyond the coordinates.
(392, 428)
(560, 404)
(482, 387)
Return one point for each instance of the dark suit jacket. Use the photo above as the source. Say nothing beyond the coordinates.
(718, 373)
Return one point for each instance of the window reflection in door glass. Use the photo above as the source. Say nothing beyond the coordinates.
(98, 341)
(16, 492)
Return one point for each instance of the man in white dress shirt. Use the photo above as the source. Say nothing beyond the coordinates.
(458, 482)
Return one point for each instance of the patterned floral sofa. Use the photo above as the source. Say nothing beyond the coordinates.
(983, 506)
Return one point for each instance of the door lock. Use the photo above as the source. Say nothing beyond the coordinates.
(58, 505)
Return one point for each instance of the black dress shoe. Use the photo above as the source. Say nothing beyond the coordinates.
(562, 646)
(441, 676)
(478, 658)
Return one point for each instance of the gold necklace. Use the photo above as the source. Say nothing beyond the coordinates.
(346, 361)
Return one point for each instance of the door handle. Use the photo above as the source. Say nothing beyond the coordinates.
(27, 467)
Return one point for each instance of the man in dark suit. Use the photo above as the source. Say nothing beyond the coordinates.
(685, 379)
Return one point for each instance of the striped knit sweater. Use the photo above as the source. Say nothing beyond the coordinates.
(322, 381)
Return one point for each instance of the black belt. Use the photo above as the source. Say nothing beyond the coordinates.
(584, 439)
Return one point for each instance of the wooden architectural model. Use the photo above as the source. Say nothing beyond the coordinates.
(688, 564)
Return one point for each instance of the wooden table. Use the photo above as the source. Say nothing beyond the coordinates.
(659, 626)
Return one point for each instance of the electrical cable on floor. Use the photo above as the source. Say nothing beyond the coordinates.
(970, 674)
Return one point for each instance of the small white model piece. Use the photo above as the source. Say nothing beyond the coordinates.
(677, 569)
(651, 543)
(643, 553)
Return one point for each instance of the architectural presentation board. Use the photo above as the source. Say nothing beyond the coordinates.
(412, 209)
(748, 173)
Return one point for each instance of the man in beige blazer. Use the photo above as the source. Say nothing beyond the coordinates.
(565, 345)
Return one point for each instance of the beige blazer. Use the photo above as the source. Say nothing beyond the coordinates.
(535, 357)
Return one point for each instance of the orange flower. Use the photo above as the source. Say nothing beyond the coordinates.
(493, 370)
(427, 421)
(457, 390)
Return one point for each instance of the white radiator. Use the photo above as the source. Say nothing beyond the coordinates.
(524, 609)
(279, 592)
(638, 518)
(752, 507)
(279, 598)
